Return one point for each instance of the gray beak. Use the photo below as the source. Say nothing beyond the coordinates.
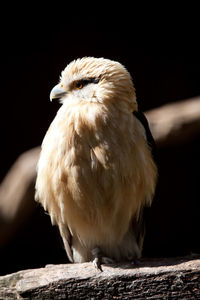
(57, 92)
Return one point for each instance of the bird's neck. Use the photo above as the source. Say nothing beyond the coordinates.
(92, 114)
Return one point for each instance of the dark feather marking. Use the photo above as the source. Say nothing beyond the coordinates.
(139, 223)
(150, 140)
(85, 81)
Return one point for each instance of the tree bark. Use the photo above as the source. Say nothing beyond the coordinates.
(17, 194)
(152, 279)
(175, 123)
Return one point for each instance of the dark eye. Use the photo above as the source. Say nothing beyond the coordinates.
(78, 85)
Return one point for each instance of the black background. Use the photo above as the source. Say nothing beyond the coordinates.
(162, 54)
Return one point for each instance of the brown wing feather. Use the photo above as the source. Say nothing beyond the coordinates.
(67, 240)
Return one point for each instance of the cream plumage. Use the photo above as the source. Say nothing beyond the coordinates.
(96, 171)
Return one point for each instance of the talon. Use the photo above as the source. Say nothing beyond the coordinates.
(96, 252)
(97, 263)
(99, 259)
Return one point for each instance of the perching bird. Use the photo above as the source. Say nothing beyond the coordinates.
(96, 172)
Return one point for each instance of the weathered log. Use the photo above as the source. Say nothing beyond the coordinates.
(175, 123)
(17, 193)
(153, 279)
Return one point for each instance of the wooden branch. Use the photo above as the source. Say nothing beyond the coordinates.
(175, 123)
(152, 279)
(17, 193)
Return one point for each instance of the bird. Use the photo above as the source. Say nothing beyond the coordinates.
(96, 171)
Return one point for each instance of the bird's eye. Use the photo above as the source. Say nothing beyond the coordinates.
(78, 85)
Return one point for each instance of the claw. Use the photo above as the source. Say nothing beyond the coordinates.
(99, 259)
(96, 252)
(97, 264)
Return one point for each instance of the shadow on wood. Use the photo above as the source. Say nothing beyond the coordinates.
(158, 279)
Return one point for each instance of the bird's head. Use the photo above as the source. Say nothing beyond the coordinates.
(97, 80)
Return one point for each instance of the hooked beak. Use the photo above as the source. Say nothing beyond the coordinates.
(57, 92)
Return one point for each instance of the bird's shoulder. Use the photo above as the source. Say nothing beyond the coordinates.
(149, 137)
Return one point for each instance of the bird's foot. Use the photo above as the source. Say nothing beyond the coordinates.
(97, 263)
(96, 253)
(99, 259)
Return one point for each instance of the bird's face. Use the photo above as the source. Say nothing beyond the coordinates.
(95, 80)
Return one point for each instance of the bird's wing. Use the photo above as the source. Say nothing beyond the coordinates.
(150, 140)
(139, 222)
(67, 239)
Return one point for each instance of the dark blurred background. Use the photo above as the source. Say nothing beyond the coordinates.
(164, 61)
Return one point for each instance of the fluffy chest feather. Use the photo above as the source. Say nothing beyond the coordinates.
(92, 168)
(92, 147)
